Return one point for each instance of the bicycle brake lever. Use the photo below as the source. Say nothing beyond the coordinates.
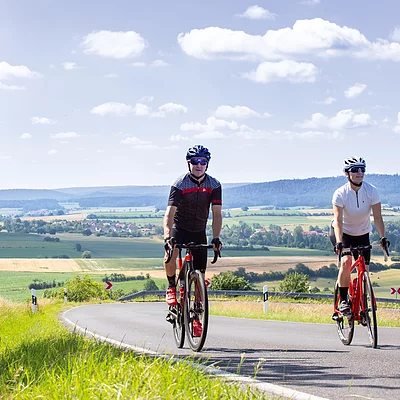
(216, 255)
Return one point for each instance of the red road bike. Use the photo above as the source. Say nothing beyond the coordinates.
(361, 299)
(192, 299)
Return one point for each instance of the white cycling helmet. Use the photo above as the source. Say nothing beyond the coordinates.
(353, 161)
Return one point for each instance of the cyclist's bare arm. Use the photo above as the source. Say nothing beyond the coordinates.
(216, 221)
(169, 220)
(377, 213)
(338, 222)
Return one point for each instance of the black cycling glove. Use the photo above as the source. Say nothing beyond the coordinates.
(338, 248)
(384, 242)
(217, 243)
(169, 243)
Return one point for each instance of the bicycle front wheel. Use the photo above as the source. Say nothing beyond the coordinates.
(196, 310)
(368, 312)
(344, 325)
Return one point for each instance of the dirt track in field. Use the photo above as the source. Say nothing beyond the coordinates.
(254, 264)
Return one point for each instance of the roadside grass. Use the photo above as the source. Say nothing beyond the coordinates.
(40, 358)
(310, 311)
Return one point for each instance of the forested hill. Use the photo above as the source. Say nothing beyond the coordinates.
(315, 192)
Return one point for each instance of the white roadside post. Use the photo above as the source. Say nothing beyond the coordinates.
(34, 300)
(265, 293)
(65, 295)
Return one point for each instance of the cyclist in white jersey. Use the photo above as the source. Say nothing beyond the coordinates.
(352, 206)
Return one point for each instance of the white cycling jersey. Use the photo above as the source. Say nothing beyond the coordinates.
(356, 207)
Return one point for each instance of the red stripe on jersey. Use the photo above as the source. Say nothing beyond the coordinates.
(216, 202)
(193, 190)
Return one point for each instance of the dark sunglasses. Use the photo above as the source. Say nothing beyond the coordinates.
(356, 169)
(201, 161)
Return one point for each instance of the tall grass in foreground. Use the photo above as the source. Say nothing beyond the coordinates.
(39, 358)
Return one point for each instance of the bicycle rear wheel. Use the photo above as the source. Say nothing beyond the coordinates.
(344, 325)
(196, 310)
(368, 313)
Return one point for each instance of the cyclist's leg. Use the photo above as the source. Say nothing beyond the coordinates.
(344, 275)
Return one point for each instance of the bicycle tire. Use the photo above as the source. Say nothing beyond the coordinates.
(369, 311)
(344, 325)
(196, 307)
(178, 325)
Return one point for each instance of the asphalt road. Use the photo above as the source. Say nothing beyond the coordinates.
(308, 358)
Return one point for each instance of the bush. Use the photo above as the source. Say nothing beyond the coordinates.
(295, 282)
(229, 281)
(86, 254)
(84, 288)
(150, 285)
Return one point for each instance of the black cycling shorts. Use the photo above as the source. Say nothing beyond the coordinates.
(185, 237)
(362, 240)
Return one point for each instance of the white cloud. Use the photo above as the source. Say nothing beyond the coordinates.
(212, 124)
(355, 91)
(344, 119)
(238, 112)
(327, 101)
(159, 63)
(138, 64)
(119, 109)
(52, 152)
(42, 121)
(114, 44)
(178, 138)
(112, 75)
(147, 99)
(11, 87)
(26, 136)
(295, 72)
(316, 37)
(172, 108)
(65, 135)
(68, 65)
(396, 128)
(395, 34)
(141, 110)
(310, 2)
(257, 12)
(16, 71)
(133, 140)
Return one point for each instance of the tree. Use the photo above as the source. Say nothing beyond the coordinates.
(78, 246)
(295, 282)
(150, 285)
(86, 232)
(86, 254)
(229, 281)
(245, 208)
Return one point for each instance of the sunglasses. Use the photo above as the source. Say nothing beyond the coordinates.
(356, 169)
(196, 160)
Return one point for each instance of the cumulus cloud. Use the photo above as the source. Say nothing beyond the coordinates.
(238, 112)
(16, 71)
(65, 135)
(11, 87)
(344, 119)
(42, 121)
(117, 45)
(295, 72)
(68, 65)
(137, 143)
(355, 91)
(140, 109)
(26, 136)
(257, 12)
(119, 109)
(327, 101)
(395, 34)
(178, 138)
(316, 37)
(159, 63)
(212, 124)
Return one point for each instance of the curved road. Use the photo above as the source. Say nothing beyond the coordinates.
(308, 358)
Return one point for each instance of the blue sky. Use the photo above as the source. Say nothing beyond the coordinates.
(113, 93)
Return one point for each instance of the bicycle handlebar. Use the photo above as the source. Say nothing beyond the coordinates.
(361, 249)
(192, 246)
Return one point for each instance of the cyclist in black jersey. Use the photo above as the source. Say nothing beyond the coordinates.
(186, 216)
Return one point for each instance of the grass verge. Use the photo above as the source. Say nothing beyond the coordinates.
(40, 358)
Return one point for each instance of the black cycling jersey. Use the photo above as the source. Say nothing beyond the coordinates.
(193, 200)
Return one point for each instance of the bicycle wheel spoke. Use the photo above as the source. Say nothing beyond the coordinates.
(344, 325)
